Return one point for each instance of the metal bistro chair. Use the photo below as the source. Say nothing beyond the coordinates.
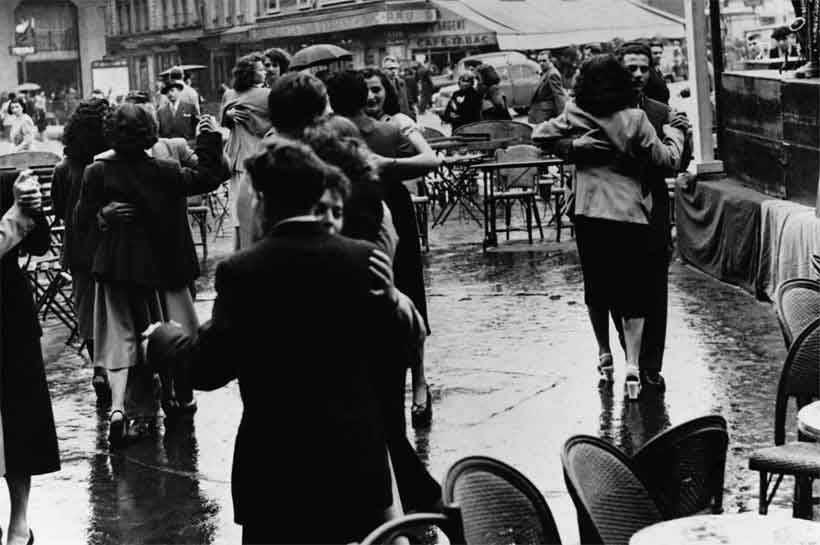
(498, 504)
(611, 500)
(411, 526)
(800, 380)
(518, 133)
(516, 184)
(798, 303)
(683, 467)
(198, 212)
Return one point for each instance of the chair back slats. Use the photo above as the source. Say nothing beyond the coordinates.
(684, 466)
(800, 377)
(798, 303)
(521, 133)
(612, 501)
(419, 528)
(498, 504)
(523, 178)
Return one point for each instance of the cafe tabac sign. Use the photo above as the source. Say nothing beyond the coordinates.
(342, 22)
(453, 31)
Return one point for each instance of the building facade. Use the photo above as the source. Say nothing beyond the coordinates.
(153, 35)
(68, 36)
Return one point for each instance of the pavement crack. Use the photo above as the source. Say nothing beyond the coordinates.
(515, 405)
(195, 475)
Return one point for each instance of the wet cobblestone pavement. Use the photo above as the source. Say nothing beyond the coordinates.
(511, 364)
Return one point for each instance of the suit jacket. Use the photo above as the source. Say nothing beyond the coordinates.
(656, 87)
(292, 321)
(14, 226)
(181, 124)
(549, 98)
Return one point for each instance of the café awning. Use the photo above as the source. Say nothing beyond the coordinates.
(543, 24)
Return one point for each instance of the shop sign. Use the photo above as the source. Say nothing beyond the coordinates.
(456, 40)
(335, 23)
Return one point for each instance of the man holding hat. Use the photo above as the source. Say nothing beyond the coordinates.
(177, 119)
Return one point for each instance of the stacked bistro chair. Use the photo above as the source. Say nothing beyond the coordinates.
(419, 524)
(610, 498)
(799, 381)
(498, 504)
(517, 184)
(684, 466)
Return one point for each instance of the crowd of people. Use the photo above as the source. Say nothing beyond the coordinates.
(331, 322)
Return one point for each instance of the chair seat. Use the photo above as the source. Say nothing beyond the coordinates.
(202, 209)
(800, 457)
(419, 200)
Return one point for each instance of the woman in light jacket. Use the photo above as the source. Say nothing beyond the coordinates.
(612, 145)
(245, 111)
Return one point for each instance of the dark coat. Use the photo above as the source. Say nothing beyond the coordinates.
(156, 250)
(329, 443)
(656, 87)
(65, 192)
(549, 97)
(466, 105)
(179, 125)
(28, 422)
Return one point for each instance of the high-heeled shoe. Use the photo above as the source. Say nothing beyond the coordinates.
(30, 537)
(117, 430)
(421, 415)
(606, 369)
(632, 383)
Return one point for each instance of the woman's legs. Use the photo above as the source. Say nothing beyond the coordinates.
(117, 380)
(633, 335)
(19, 487)
(600, 326)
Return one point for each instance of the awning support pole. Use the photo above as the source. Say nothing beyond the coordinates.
(704, 161)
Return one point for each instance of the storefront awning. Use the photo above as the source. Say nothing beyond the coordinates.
(542, 24)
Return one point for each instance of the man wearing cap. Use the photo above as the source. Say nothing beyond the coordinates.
(177, 119)
(549, 98)
(188, 94)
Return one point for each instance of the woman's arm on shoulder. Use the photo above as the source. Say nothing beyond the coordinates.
(663, 151)
(211, 169)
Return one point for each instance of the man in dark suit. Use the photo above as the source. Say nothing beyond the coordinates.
(550, 97)
(281, 325)
(177, 119)
(637, 59)
(390, 66)
(655, 87)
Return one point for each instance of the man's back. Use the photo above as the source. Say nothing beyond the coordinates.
(297, 322)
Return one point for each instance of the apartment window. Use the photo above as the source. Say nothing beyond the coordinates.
(306, 4)
(273, 6)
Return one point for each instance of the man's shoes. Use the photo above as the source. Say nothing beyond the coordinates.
(653, 379)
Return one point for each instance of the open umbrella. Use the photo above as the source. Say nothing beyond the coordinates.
(27, 87)
(315, 55)
(185, 68)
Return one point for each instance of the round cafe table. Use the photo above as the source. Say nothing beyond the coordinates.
(808, 420)
(739, 529)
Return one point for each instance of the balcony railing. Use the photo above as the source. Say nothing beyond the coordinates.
(56, 40)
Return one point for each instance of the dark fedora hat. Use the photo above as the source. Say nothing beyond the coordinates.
(172, 83)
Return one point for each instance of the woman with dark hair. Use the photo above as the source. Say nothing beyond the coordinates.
(493, 101)
(245, 111)
(612, 144)
(132, 208)
(400, 344)
(277, 63)
(22, 131)
(83, 138)
(383, 105)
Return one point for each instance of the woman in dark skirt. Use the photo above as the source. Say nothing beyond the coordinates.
(83, 139)
(29, 436)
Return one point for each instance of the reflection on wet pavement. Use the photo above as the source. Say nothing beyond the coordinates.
(511, 364)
